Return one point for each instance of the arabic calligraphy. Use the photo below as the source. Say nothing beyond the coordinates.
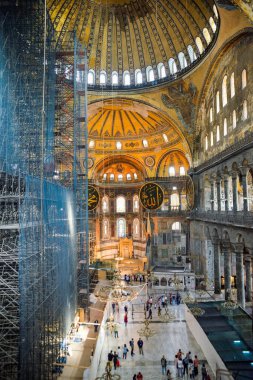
(93, 198)
(151, 196)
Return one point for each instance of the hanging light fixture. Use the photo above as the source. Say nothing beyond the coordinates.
(168, 316)
(108, 375)
(147, 332)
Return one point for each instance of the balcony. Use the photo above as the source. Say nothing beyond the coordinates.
(229, 218)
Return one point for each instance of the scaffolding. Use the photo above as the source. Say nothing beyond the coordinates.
(41, 221)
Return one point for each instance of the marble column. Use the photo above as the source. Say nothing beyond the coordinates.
(218, 185)
(240, 274)
(212, 196)
(217, 272)
(234, 186)
(245, 190)
(226, 192)
(226, 248)
(248, 280)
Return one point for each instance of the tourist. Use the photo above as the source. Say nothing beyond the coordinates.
(117, 307)
(159, 311)
(204, 372)
(180, 367)
(125, 319)
(169, 375)
(125, 351)
(163, 364)
(191, 369)
(131, 343)
(115, 360)
(185, 364)
(113, 308)
(134, 377)
(110, 358)
(175, 362)
(119, 355)
(116, 332)
(140, 345)
(179, 354)
(196, 365)
(95, 326)
(125, 309)
(139, 376)
(150, 314)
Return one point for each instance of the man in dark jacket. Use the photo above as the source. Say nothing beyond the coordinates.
(140, 345)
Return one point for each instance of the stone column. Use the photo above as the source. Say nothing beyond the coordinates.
(245, 189)
(217, 274)
(212, 196)
(180, 200)
(248, 280)
(226, 248)
(234, 186)
(226, 192)
(218, 193)
(240, 274)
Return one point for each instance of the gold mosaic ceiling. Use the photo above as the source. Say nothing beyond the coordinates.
(127, 35)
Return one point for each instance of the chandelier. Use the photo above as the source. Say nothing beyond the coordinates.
(196, 311)
(147, 332)
(110, 324)
(229, 305)
(108, 375)
(168, 316)
(188, 299)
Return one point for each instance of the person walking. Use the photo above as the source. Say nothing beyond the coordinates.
(116, 332)
(185, 364)
(169, 375)
(140, 345)
(139, 376)
(125, 308)
(191, 369)
(115, 360)
(149, 313)
(196, 365)
(125, 351)
(135, 376)
(159, 311)
(204, 372)
(113, 307)
(125, 319)
(110, 358)
(131, 343)
(180, 367)
(95, 326)
(163, 364)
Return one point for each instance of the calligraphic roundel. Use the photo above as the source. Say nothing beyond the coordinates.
(151, 196)
(93, 198)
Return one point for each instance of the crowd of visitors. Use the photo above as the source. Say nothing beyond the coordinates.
(134, 277)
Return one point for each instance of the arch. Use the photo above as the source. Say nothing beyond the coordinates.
(199, 45)
(176, 226)
(105, 204)
(163, 281)
(206, 142)
(191, 53)
(182, 170)
(126, 78)
(217, 102)
(120, 204)
(136, 203)
(224, 91)
(121, 227)
(211, 138)
(234, 121)
(218, 133)
(145, 143)
(118, 145)
(244, 78)
(128, 177)
(91, 144)
(211, 115)
(150, 74)
(207, 36)
(91, 77)
(102, 77)
(232, 85)
(136, 228)
(174, 201)
(172, 66)
(172, 171)
(115, 78)
(106, 229)
(161, 70)
(174, 158)
(120, 177)
(182, 60)
(225, 127)
(138, 76)
(212, 24)
(111, 177)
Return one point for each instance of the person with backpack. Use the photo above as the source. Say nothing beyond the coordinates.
(185, 364)
(125, 351)
(139, 376)
(180, 367)
(196, 365)
(163, 364)
(204, 372)
(140, 345)
(131, 343)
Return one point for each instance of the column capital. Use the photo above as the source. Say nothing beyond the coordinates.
(234, 174)
(225, 246)
(238, 247)
(215, 240)
(244, 171)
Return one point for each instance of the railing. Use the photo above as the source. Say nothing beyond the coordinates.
(222, 374)
(239, 218)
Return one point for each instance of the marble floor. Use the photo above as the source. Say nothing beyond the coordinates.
(168, 338)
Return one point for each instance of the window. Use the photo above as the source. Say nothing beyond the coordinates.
(150, 74)
(232, 85)
(121, 204)
(145, 143)
(244, 79)
(224, 91)
(217, 102)
(182, 60)
(244, 110)
(91, 77)
(211, 115)
(118, 145)
(191, 53)
(215, 11)
(104, 176)
(234, 119)
(105, 204)
(136, 228)
(129, 177)
(207, 36)
(106, 229)
(115, 79)
(212, 24)
(206, 143)
(126, 78)
(176, 226)
(165, 137)
(199, 45)
(120, 177)
(182, 170)
(211, 138)
(121, 228)
(225, 128)
(111, 177)
(135, 176)
(102, 78)
(172, 171)
(172, 66)
(161, 70)
(218, 133)
(174, 200)
(135, 203)
(91, 144)
(138, 76)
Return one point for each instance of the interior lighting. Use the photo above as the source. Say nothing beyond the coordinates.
(237, 341)
(246, 352)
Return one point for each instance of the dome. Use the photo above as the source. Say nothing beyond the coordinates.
(132, 43)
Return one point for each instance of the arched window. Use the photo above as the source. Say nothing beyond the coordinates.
(105, 204)
(211, 138)
(244, 110)
(199, 45)
(165, 137)
(172, 66)
(232, 85)
(176, 226)
(212, 24)
(174, 200)
(121, 204)
(161, 70)
(150, 74)
(138, 76)
(217, 102)
(234, 119)
(104, 176)
(211, 115)
(129, 177)
(206, 143)
(163, 279)
(118, 145)
(106, 232)
(126, 78)
(135, 176)
(172, 172)
(225, 127)
(244, 78)
(224, 91)
(145, 143)
(102, 78)
(182, 170)
(68, 72)
(115, 79)
(120, 177)
(191, 53)
(218, 133)
(121, 228)
(91, 144)
(136, 228)
(91, 77)
(182, 60)
(215, 11)
(207, 36)
(111, 177)
(135, 203)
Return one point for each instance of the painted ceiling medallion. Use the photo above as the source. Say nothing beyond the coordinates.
(149, 161)
(90, 163)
